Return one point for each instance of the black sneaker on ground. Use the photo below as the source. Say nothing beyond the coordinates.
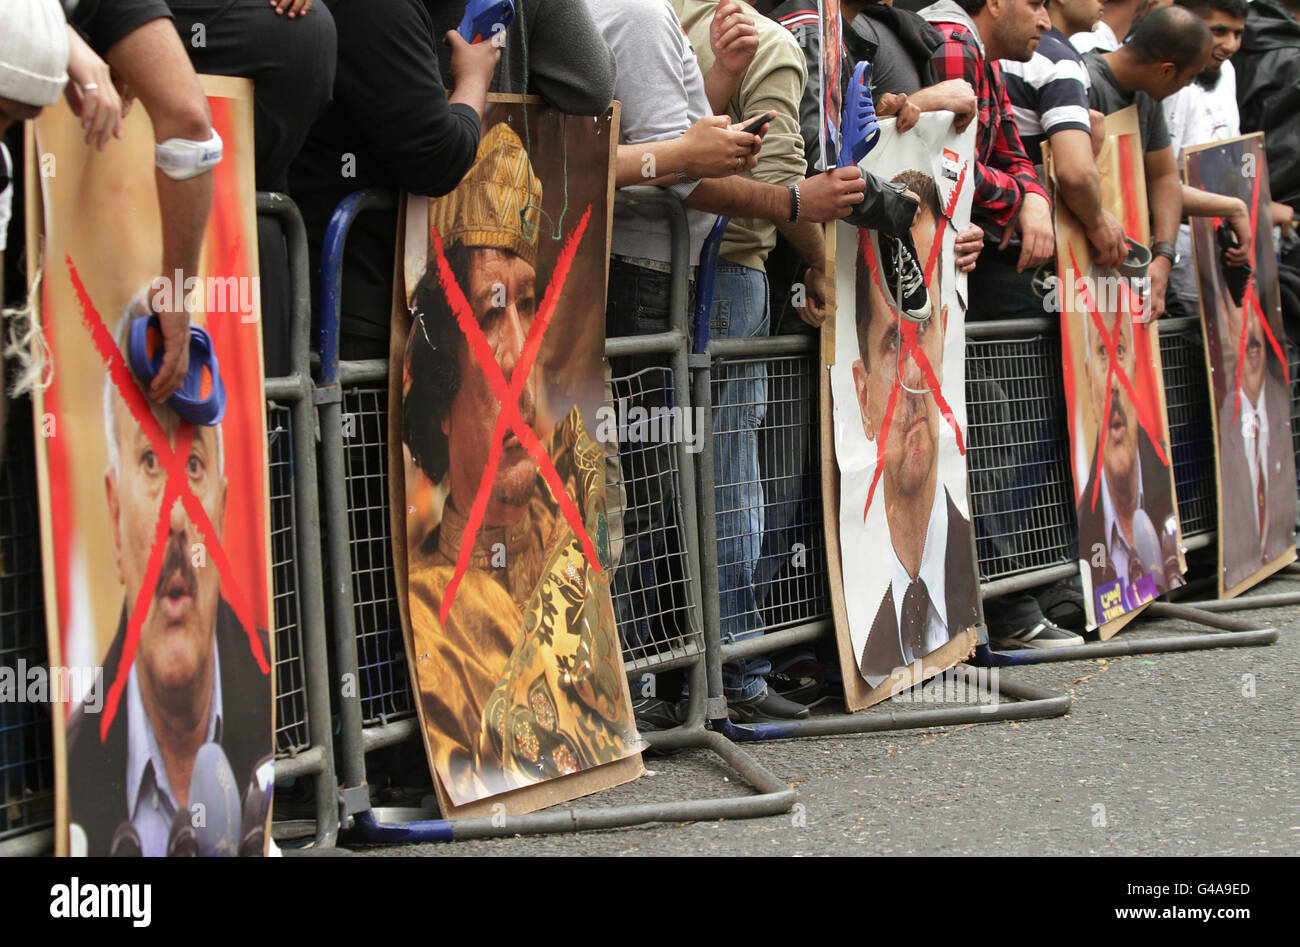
(652, 713)
(1044, 634)
(797, 676)
(900, 264)
(768, 705)
(1062, 603)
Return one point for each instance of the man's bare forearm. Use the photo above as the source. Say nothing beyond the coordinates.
(1166, 198)
(808, 239)
(1077, 175)
(741, 197)
(1164, 194)
(663, 159)
(184, 209)
(1083, 197)
(1198, 203)
(718, 88)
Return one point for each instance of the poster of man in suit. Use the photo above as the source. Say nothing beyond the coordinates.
(899, 422)
(1249, 376)
(1129, 551)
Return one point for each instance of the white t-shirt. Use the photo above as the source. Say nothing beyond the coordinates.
(1102, 37)
(6, 196)
(1196, 115)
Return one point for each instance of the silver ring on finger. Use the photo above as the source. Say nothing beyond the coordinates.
(90, 87)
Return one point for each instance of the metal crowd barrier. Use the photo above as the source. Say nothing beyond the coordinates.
(792, 605)
(303, 743)
(26, 733)
(367, 634)
(1022, 497)
(304, 746)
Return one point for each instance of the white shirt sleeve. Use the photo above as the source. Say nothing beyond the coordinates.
(6, 197)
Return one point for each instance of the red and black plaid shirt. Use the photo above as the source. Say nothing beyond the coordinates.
(1003, 172)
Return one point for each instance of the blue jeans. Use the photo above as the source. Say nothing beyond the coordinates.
(644, 588)
(740, 310)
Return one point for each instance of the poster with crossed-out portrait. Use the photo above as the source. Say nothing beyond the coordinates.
(155, 529)
(899, 424)
(1130, 548)
(1250, 380)
(501, 541)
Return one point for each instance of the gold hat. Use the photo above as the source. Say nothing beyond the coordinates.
(494, 199)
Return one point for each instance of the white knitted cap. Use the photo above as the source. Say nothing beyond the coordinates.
(33, 51)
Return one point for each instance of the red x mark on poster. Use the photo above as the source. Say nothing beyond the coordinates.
(1110, 341)
(173, 461)
(1251, 304)
(911, 347)
(508, 395)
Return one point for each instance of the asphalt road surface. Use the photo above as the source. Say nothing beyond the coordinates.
(1191, 753)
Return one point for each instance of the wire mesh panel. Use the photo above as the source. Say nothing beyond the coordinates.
(26, 733)
(653, 599)
(768, 505)
(292, 735)
(1187, 399)
(794, 537)
(1017, 456)
(384, 686)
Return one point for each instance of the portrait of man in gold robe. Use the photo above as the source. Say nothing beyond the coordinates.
(516, 656)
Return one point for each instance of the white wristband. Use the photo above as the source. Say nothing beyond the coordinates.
(181, 159)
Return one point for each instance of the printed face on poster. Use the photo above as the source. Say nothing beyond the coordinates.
(1249, 375)
(157, 542)
(514, 647)
(900, 419)
(1124, 489)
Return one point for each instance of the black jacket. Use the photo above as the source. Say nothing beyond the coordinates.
(1268, 92)
(97, 793)
(389, 126)
(882, 655)
(919, 38)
